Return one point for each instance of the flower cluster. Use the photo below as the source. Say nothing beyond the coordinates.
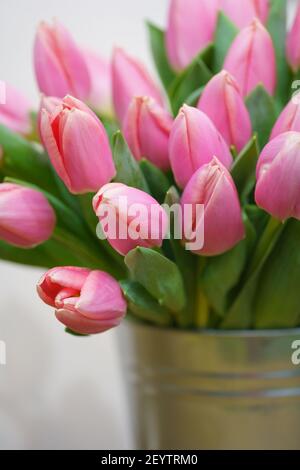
(223, 134)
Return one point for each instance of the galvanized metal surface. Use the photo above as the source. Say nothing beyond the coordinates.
(211, 390)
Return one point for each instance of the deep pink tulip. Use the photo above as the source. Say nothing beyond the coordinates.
(50, 104)
(191, 27)
(77, 145)
(86, 302)
(194, 141)
(14, 109)
(130, 79)
(130, 217)
(60, 65)
(213, 186)
(100, 97)
(289, 119)
(242, 12)
(251, 59)
(293, 43)
(26, 217)
(223, 103)
(147, 128)
(278, 177)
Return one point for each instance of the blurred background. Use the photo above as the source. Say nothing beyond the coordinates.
(58, 391)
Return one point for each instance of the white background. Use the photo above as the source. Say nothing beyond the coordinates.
(58, 391)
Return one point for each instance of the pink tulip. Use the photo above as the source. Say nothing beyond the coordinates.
(289, 119)
(223, 103)
(60, 65)
(194, 141)
(242, 12)
(26, 217)
(50, 104)
(278, 177)
(191, 28)
(14, 110)
(147, 128)
(130, 79)
(293, 43)
(77, 145)
(130, 217)
(86, 302)
(100, 76)
(251, 59)
(213, 187)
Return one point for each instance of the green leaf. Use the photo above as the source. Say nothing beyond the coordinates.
(73, 333)
(24, 161)
(276, 25)
(157, 181)
(244, 166)
(128, 170)
(241, 313)
(144, 306)
(225, 33)
(159, 276)
(196, 75)
(194, 97)
(261, 107)
(221, 274)
(277, 298)
(159, 54)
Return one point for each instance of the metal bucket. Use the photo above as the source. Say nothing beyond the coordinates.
(211, 390)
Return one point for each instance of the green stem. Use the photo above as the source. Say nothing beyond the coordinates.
(202, 307)
(273, 228)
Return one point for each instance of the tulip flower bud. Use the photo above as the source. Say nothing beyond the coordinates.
(289, 119)
(246, 59)
(130, 79)
(191, 27)
(78, 146)
(60, 65)
(223, 103)
(194, 141)
(213, 186)
(130, 217)
(26, 217)
(243, 12)
(86, 302)
(147, 128)
(293, 43)
(278, 177)
(100, 76)
(14, 110)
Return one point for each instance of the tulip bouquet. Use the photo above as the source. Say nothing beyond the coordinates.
(222, 134)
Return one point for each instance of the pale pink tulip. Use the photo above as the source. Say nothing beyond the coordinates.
(78, 146)
(251, 59)
(14, 109)
(278, 177)
(213, 187)
(223, 103)
(130, 217)
(293, 43)
(194, 141)
(60, 65)
(289, 119)
(100, 97)
(86, 302)
(242, 12)
(191, 27)
(26, 217)
(130, 79)
(147, 128)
